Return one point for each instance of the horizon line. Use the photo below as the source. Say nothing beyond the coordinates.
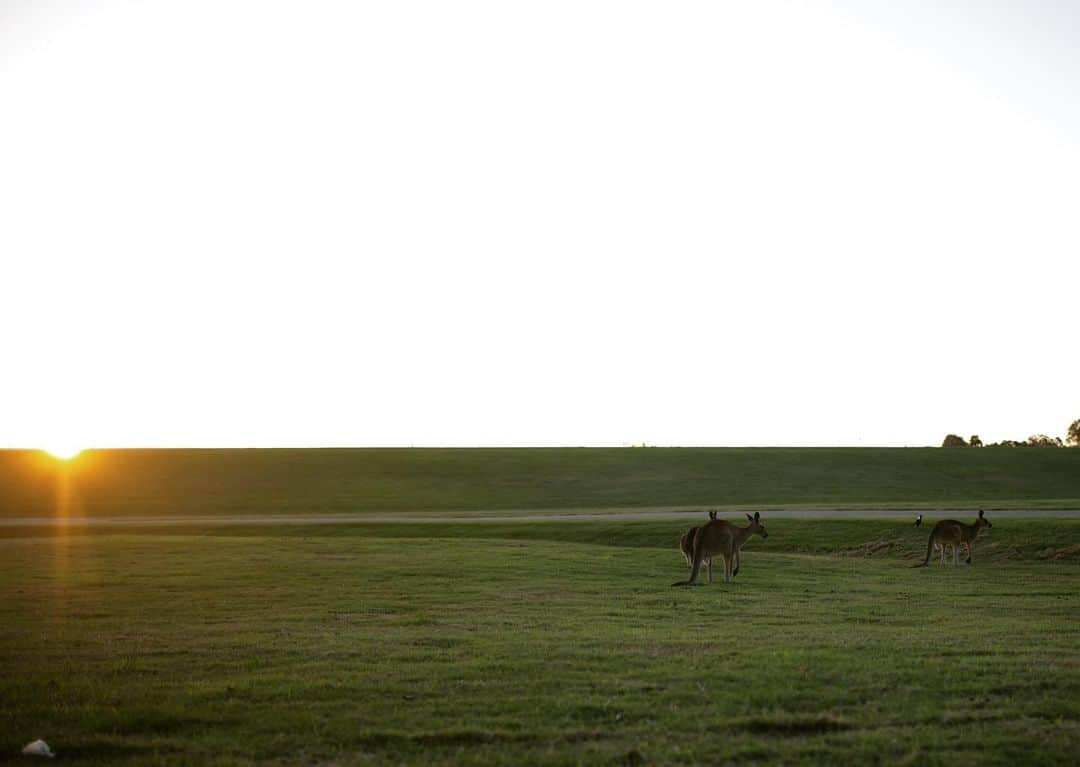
(623, 446)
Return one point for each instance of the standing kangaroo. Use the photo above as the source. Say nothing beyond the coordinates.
(724, 539)
(949, 532)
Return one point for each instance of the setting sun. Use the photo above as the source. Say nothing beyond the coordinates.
(63, 452)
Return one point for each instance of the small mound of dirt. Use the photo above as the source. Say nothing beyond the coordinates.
(1007, 553)
(871, 548)
(1067, 552)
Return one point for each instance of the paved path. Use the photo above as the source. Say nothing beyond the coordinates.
(432, 517)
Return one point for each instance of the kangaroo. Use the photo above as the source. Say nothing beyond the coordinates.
(724, 539)
(949, 532)
(686, 545)
(943, 548)
(738, 549)
(937, 546)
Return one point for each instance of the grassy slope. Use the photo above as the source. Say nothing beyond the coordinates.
(1011, 539)
(301, 481)
(359, 646)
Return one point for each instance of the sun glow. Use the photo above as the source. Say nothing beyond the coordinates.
(63, 452)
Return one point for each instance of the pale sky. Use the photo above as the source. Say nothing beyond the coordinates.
(561, 223)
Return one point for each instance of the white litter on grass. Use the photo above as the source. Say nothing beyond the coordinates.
(38, 748)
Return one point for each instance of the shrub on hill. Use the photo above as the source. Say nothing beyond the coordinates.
(1041, 440)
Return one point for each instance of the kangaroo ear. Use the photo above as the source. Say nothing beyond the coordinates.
(757, 515)
(749, 517)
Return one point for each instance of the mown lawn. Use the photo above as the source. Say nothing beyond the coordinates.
(334, 646)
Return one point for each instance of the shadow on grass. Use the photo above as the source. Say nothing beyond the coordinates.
(792, 727)
(458, 738)
(109, 750)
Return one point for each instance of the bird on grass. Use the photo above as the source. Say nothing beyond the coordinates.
(918, 520)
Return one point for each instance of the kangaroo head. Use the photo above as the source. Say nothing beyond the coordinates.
(712, 515)
(982, 521)
(756, 526)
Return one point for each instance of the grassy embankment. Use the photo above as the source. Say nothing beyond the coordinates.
(511, 643)
(165, 482)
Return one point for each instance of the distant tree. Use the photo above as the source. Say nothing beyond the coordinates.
(975, 441)
(952, 440)
(1072, 436)
(1041, 440)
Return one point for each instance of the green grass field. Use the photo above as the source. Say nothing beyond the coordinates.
(538, 643)
(166, 482)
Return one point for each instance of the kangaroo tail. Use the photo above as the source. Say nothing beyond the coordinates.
(699, 554)
(929, 550)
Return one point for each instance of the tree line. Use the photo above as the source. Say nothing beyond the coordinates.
(1072, 439)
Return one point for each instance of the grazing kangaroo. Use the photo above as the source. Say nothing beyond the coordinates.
(724, 539)
(686, 545)
(949, 532)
